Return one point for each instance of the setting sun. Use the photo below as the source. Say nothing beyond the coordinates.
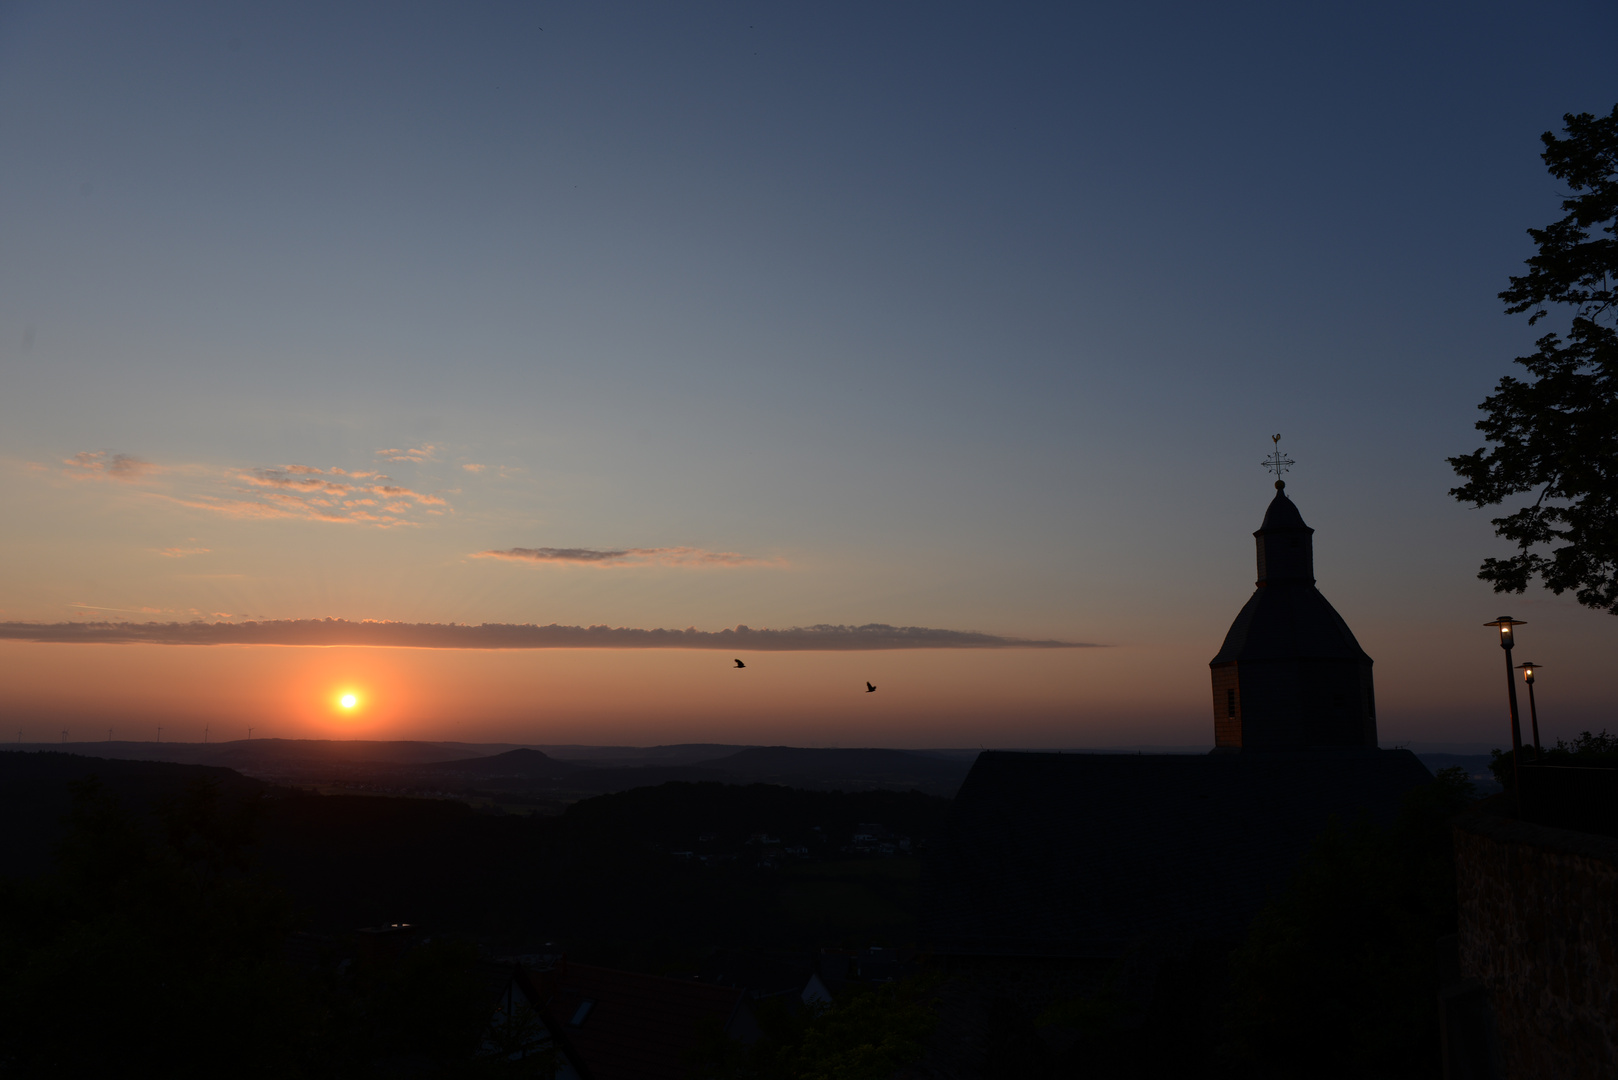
(348, 701)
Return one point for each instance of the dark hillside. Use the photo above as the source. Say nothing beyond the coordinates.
(36, 791)
(626, 757)
(608, 780)
(532, 772)
(554, 777)
(846, 769)
(651, 877)
(247, 753)
(679, 814)
(522, 764)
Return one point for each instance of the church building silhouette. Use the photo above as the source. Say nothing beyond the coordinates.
(1290, 675)
(1091, 856)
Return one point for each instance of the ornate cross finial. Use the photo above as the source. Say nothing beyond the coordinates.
(1278, 463)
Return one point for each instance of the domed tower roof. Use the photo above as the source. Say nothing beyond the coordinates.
(1287, 616)
(1282, 514)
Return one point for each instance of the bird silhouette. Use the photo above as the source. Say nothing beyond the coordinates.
(869, 689)
(740, 664)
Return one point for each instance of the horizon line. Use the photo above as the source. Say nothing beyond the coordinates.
(331, 632)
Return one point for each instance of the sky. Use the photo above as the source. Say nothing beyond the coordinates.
(975, 319)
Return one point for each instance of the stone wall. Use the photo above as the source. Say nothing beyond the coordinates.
(1539, 931)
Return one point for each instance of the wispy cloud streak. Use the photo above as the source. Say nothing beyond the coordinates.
(663, 556)
(336, 495)
(105, 465)
(335, 632)
(416, 455)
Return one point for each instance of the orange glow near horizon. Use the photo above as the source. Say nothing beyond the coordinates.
(592, 696)
(1130, 695)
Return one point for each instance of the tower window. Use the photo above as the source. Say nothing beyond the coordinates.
(1230, 704)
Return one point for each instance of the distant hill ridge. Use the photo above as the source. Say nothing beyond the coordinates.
(795, 759)
(521, 762)
(405, 765)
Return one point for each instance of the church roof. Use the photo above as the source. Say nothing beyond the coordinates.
(1282, 514)
(1287, 618)
(1085, 855)
(1289, 622)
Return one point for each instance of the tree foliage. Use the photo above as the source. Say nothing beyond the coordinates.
(1557, 435)
(1337, 975)
(155, 949)
(1586, 751)
(868, 1034)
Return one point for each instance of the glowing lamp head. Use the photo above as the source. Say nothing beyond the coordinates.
(1528, 671)
(1505, 623)
(348, 701)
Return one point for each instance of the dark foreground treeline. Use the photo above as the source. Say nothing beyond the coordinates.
(155, 937)
(1587, 750)
(179, 920)
(1337, 978)
(618, 879)
(154, 948)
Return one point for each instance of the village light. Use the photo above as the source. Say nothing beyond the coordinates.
(1528, 667)
(1507, 639)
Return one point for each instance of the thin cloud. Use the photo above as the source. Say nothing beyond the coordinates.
(474, 468)
(393, 492)
(663, 556)
(872, 637)
(277, 506)
(105, 465)
(310, 470)
(304, 492)
(424, 452)
(283, 478)
(297, 492)
(180, 552)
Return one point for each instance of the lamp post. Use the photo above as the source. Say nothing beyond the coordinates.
(1505, 623)
(1527, 667)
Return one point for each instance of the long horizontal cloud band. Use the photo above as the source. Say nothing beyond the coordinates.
(328, 632)
(665, 556)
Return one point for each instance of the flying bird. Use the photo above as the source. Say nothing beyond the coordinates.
(869, 689)
(740, 664)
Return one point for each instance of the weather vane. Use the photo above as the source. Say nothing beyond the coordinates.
(1278, 463)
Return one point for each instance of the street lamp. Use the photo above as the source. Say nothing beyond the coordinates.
(1505, 623)
(1527, 667)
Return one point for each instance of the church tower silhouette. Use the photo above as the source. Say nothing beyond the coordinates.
(1290, 675)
